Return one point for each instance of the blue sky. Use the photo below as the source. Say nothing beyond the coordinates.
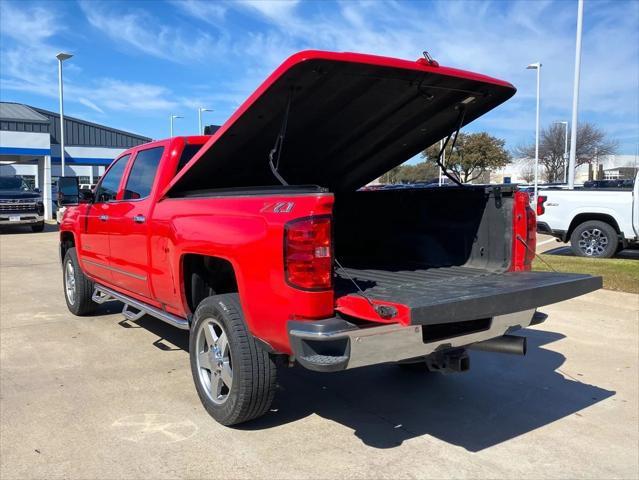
(136, 63)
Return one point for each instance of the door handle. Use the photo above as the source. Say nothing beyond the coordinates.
(139, 219)
(104, 218)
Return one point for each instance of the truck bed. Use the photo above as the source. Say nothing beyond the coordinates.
(459, 293)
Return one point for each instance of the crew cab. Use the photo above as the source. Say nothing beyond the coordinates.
(258, 240)
(20, 204)
(598, 222)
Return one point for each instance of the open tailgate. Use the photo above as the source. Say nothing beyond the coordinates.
(454, 294)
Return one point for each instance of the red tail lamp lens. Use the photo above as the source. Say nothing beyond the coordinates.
(524, 233)
(308, 255)
(540, 204)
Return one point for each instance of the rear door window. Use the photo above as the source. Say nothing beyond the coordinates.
(142, 175)
(108, 189)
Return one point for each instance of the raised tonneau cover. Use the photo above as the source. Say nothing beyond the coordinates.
(352, 117)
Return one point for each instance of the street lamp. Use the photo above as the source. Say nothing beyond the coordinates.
(575, 97)
(199, 118)
(61, 58)
(536, 66)
(565, 124)
(173, 117)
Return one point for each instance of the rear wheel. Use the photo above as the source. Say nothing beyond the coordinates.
(594, 239)
(234, 377)
(78, 289)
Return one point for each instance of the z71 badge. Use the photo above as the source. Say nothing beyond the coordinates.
(279, 207)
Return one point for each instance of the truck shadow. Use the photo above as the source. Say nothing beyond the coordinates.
(26, 229)
(500, 398)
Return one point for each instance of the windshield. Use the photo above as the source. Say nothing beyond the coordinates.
(12, 183)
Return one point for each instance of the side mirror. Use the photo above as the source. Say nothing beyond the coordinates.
(86, 196)
(36, 190)
(68, 191)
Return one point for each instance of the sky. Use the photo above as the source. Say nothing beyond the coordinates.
(137, 63)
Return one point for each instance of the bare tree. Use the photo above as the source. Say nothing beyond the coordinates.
(527, 170)
(592, 142)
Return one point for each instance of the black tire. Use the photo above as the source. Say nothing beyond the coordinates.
(253, 370)
(37, 227)
(82, 303)
(594, 238)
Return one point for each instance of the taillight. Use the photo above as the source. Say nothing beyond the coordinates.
(308, 256)
(524, 233)
(540, 204)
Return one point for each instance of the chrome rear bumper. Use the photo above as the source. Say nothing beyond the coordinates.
(334, 344)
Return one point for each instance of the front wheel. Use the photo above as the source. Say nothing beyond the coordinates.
(594, 238)
(234, 377)
(78, 289)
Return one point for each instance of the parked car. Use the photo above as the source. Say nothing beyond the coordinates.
(258, 242)
(19, 204)
(596, 221)
(620, 183)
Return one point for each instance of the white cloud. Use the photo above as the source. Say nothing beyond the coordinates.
(29, 65)
(124, 96)
(88, 103)
(210, 12)
(143, 32)
(275, 10)
(37, 23)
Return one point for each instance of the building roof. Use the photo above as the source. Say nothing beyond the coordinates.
(18, 117)
(19, 112)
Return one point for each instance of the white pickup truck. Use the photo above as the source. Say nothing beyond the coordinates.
(597, 222)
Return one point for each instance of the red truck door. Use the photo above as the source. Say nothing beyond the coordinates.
(95, 226)
(129, 224)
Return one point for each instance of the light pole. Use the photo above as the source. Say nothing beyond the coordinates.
(199, 118)
(61, 58)
(536, 66)
(575, 98)
(173, 117)
(565, 124)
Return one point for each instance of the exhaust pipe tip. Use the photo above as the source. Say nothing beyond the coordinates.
(510, 344)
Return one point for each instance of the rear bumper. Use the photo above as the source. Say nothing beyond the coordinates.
(25, 218)
(543, 227)
(335, 344)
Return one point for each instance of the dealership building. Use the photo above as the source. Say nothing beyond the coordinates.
(30, 147)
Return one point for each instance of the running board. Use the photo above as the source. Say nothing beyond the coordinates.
(101, 294)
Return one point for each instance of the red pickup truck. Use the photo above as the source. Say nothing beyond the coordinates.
(258, 240)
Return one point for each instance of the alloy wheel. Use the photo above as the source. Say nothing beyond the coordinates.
(69, 282)
(214, 360)
(593, 242)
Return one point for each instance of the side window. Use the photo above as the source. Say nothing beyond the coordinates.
(142, 173)
(108, 188)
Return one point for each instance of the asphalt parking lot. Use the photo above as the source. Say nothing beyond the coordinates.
(100, 397)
